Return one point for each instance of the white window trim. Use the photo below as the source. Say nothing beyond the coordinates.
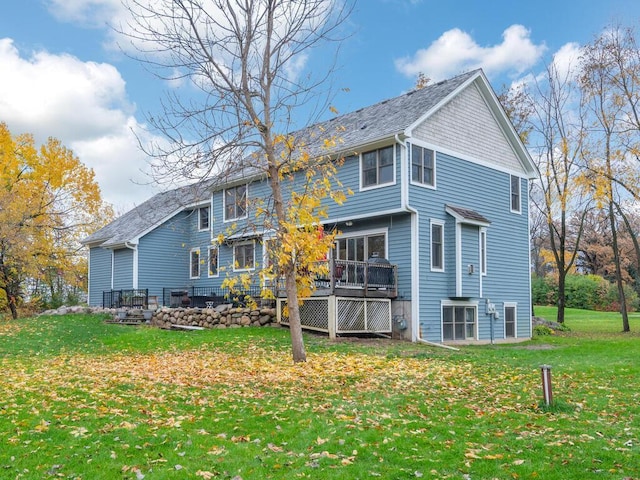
(457, 303)
(515, 319)
(379, 185)
(519, 210)
(200, 229)
(235, 268)
(431, 224)
(217, 274)
(224, 204)
(435, 166)
(191, 264)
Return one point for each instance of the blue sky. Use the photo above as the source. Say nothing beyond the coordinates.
(62, 75)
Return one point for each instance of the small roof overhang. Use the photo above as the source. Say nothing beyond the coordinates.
(466, 215)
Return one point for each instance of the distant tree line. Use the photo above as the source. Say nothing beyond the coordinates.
(581, 123)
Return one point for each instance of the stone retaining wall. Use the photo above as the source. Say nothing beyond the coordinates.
(223, 316)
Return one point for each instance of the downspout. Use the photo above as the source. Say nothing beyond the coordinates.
(89, 276)
(415, 250)
(113, 265)
(458, 258)
(134, 267)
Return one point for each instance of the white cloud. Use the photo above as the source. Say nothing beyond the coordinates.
(91, 13)
(85, 106)
(567, 59)
(455, 51)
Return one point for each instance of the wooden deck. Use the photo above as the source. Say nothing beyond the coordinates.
(349, 278)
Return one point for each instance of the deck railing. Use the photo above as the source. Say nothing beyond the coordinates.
(355, 278)
(132, 298)
(367, 275)
(345, 278)
(209, 296)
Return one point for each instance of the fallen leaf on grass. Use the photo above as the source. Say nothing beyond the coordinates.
(205, 474)
(216, 450)
(79, 432)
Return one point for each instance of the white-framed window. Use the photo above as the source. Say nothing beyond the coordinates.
(360, 246)
(437, 246)
(194, 263)
(423, 166)
(459, 322)
(235, 203)
(510, 315)
(213, 261)
(515, 194)
(483, 251)
(377, 167)
(203, 218)
(244, 256)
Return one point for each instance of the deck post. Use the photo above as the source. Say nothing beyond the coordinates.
(332, 321)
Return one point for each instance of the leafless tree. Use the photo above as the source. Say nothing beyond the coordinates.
(557, 138)
(244, 64)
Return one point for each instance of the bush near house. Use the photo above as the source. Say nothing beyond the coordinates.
(588, 292)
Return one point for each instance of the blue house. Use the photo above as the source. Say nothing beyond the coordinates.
(433, 244)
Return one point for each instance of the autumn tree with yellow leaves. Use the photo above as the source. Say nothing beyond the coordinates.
(48, 200)
(246, 62)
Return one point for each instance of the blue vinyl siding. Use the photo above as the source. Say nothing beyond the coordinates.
(487, 191)
(400, 252)
(122, 268)
(369, 202)
(99, 274)
(163, 255)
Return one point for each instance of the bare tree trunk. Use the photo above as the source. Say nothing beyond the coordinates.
(291, 287)
(295, 326)
(11, 302)
(616, 259)
(562, 297)
(12, 306)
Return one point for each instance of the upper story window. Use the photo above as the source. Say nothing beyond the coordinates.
(437, 246)
(377, 167)
(515, 194)
(423, 166)
(194, 260)
(235, 202)
(203, 218)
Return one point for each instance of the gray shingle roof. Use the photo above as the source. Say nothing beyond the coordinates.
(467, 214)
(361, 127)
(386, 118)
(149, 214)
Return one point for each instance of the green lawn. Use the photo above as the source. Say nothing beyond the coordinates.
(81, 399)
